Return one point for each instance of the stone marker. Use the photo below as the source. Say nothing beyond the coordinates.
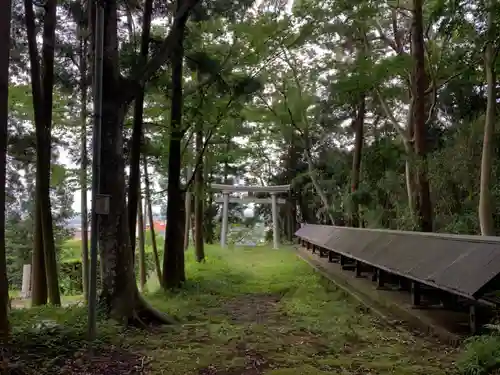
(26, 287)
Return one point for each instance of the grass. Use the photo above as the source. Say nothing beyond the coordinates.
(244, 312)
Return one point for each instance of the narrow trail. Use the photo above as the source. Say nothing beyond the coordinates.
(244, 312)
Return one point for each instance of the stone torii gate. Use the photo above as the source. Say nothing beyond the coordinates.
(274, 201)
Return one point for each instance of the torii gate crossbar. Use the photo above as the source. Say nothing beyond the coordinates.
(273, 190)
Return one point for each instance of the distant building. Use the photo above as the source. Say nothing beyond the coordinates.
(159, 226)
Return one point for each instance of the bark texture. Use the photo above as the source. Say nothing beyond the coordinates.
(486, 221)
(199, 197)
(173, 262)
(424, 206)
(135, 156)
(5, 18)
(84, 164)
(151, 221)
(142, 250)
(358, 125)
(120, 297)
(42, 81)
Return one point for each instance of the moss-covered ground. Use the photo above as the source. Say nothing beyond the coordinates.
(245, 311)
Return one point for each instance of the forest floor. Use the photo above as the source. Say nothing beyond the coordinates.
(245, 312)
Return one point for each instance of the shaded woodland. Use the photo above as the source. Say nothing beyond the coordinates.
(379, 114)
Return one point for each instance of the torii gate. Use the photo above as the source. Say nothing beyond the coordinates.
(274, 201)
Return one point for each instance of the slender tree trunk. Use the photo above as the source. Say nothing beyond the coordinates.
(151, 220)
(173, 273)
(135, 156)
(293, 156)
(317, 187)
(180, 263)
(410, 158)
(187, 203)
(39, 295)
(5, 19)
(486, 204)
(83, 166)
(208, 214)
(142, 250)
(358, 125)
(199, 198)
(419, 86)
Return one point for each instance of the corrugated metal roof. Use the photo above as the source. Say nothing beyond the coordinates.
(459, 264)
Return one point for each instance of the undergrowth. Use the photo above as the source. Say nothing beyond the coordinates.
(245, 311)
(481, 356)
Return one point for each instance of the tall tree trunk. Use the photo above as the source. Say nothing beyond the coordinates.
(142, 250)
(49, 41)
(44, 260)
(358, 125)
(180, 264)
(5, 19)
(188, 205)
(419, 86)
(135, 155)
(486, 207)
(410, 157)
(120, 297)
(151, 220)
(84, 163)
(317, 187)
(119, 289)
(292, 160)
(39, 294)
(199, 197)
(174, 247)
(38, 276)
(208, 214)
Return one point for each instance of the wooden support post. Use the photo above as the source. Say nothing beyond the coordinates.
(380, 278)
(415, 294)
(342, 261)
(375, 275)
(330, 256)
(473, 319)
(358, 268)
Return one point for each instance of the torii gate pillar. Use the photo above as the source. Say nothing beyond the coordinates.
(225, 210)
(274, 208)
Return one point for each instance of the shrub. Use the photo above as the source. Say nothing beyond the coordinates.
(481, 355)
(70, 274)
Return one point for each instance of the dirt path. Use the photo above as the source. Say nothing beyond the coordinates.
(244, 312)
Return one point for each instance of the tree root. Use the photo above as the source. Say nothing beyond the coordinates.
(145, 315)
(140, 315)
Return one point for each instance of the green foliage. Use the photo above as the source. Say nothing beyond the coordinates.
(70, 266)
(481, 356)
(243, 307)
